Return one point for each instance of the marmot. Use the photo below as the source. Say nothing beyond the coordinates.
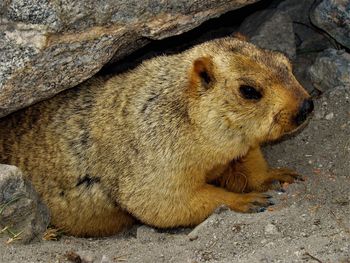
(165, 143)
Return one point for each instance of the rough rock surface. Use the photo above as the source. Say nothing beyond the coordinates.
(307, 37)
(331, 69)
(333, 16)
(296, 9)
(47, 46)
(271, 29)
(21, 212)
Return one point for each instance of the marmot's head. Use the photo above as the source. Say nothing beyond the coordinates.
(245, 91)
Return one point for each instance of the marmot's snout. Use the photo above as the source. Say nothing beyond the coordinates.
(304, 111)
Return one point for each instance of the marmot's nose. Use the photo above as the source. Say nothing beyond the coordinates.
(306, 108)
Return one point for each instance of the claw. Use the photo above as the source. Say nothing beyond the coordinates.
(271, 202)
(261, 209)
(257, 202)
(300, 178)
(267, 195)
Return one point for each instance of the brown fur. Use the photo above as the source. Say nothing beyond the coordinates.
(150, 144)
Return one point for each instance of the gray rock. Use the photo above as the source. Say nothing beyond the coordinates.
(271, 29)
(333, 16)
(47, 46)
(21, 210)
(296, 9)
(301, 66)
(308, 38)
(330, 69)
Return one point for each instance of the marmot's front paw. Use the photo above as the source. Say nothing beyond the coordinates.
(252, 203)
(278, 176)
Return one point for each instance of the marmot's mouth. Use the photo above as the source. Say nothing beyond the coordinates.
(282, 135)
(287, 134)
(300, 127)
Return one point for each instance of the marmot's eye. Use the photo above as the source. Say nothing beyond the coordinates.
(250, 93)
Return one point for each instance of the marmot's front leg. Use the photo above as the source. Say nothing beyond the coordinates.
(252, 173)
(191, 205)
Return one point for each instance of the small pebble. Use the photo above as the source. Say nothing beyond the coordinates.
(271, 229)
(146, 234)
(304, 234)
(106, 259)
(329, 116)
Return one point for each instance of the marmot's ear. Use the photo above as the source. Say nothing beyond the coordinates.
(240, 36)
(203, 72)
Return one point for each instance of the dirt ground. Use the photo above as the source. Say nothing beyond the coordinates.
(309, 223)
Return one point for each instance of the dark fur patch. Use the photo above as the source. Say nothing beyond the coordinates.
(84, 138)
(88, 180)
(125, 111)
(149, 101)
(206, 79)
(248, 82)
(235, 49)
